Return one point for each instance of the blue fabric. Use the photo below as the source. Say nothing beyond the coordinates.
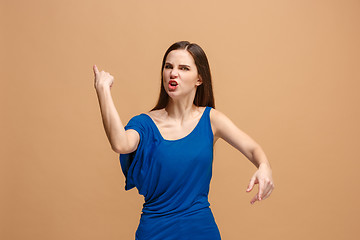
(174, 178)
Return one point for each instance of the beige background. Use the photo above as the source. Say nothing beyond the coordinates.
(286, 72)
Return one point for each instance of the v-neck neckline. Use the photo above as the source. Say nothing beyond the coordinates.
(179, 139)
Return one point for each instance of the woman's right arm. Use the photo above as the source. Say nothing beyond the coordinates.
(121, 141)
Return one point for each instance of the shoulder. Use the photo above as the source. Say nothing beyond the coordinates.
(216, 115)
(137, 119)
(138, 122)
(219, 121)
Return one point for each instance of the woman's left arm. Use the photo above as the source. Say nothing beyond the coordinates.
(224, 128)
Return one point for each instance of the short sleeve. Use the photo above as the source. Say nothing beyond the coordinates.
(127, 160)
(136, 124)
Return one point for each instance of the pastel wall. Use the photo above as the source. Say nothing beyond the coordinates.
(286, 72)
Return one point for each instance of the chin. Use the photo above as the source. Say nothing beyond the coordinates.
(174, 95)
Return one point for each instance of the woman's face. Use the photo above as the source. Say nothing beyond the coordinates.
(180, 75)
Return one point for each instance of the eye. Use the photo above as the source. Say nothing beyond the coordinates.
(167, 66)
(185, 68)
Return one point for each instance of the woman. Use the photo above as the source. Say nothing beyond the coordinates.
(167, 153)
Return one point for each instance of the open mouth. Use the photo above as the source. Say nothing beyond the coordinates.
(172, 84)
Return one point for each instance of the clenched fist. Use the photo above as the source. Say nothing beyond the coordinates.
(102, 79)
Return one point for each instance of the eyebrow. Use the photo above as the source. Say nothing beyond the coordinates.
(184, 65)
(181, 65)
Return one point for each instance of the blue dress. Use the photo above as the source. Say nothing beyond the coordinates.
(174, 178)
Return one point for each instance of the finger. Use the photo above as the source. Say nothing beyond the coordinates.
(251, 184)
(254, 199)
(265, 192)
(261, 189)
(267, 186)
(96, 71)
(270, 189)
(267, 195)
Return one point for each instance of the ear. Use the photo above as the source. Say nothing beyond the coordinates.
(199, 81)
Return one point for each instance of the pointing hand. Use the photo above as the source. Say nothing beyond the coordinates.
(102, 79)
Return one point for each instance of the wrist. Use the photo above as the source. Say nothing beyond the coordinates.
(102, 89)
(265, 165)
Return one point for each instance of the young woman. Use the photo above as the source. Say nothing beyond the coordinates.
(167, 153)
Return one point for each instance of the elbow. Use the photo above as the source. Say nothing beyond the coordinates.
(115, 149)
(118, 149)
(121, 149)
(119, 146)
(126, 145)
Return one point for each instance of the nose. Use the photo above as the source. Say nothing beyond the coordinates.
(173, 73)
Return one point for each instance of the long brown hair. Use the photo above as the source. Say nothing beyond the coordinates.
(204, 93)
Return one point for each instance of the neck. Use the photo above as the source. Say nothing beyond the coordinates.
(180, 110)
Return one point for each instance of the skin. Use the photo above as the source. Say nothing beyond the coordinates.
(181, 116)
